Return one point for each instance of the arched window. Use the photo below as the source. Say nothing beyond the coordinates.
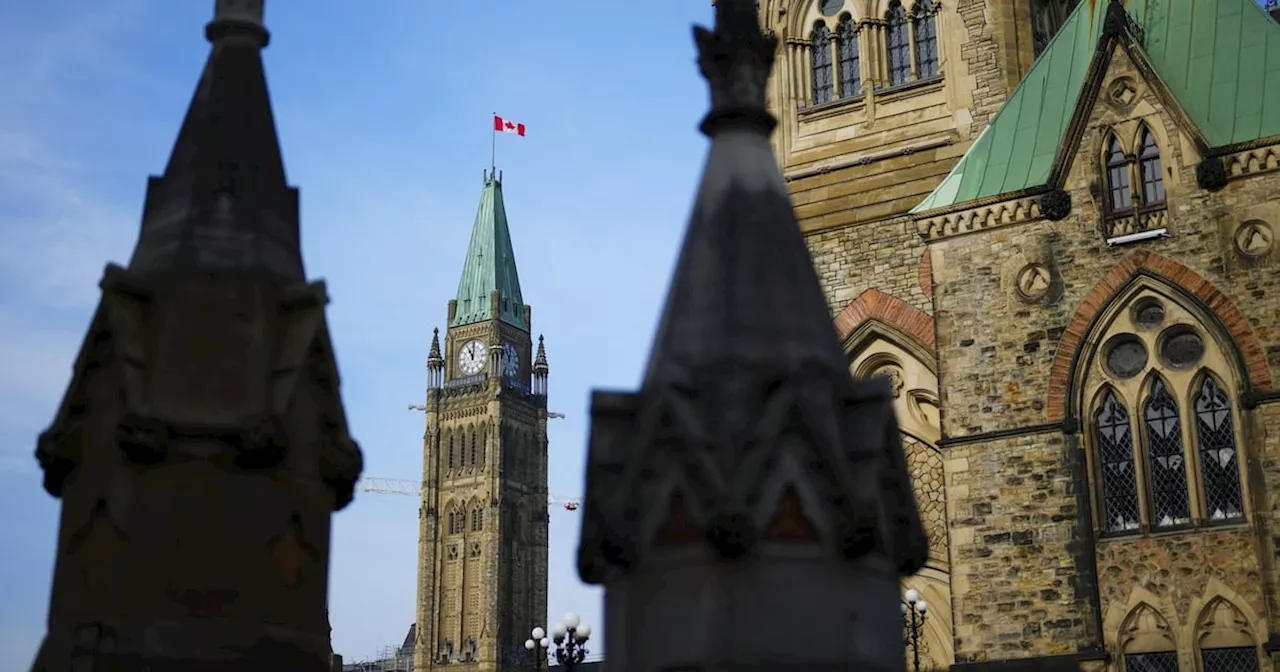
(898, 41)
(1225, 639)
(1118, 185)
(484, 442)
(1219, 465)
(1166, 461)
(477, 519)
(1047, 17)
(452, 453)
(1150, 169)
(1161, 415)
(924, 23)
(820, 55)
(850, 63)
(475, 452)
(1119, 481)
(1147, 643)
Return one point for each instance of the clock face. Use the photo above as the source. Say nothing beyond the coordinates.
(472, 357)
(510, 360)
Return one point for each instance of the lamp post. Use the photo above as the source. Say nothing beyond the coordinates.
(914, 611)
(538, 645)
(570, 635)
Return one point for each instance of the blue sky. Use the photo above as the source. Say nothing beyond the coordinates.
(384, 112)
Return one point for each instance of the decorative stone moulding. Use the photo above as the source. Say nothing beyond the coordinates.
(1254, 238)
(1034, 283)
(1249, 162)
(984, 218)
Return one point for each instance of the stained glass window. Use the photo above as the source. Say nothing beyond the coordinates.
(1233, 659)
(850, 64)
(1216, 438)
(1150, 168)
(926, 29)
(1118, 177)
(899, 44)
(820, 46)
(1166, 462)
(1115, 456)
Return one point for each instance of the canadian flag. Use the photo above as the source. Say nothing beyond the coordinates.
(507, 126)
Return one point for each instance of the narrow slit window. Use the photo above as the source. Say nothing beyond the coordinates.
(850, 63)
(1219, 458)
(820, 46)
(1166, 462)
(899, 44)
(1114, 437)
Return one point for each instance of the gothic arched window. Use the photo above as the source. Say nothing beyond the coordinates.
(484, 442)
(850, 63)
(477, 519)
(1163, 435)
(452, 453)
(1150, 169)
(924, 23)
(1166, 461)
(1119, 188)
(1047, 17)
(475, 453)
(1219, 460)
(820, 56)
(1119, 481)
(898, 41)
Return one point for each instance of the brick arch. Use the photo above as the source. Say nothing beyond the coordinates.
(874, 304)
(1253, 355)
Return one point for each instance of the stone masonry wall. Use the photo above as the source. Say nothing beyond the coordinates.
(1013, 537)
(884, 255)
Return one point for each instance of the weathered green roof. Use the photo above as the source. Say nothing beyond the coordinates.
(490, 265)
(1220, 59)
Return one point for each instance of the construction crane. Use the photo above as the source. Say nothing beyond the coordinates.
(408, 488)
(411, 488)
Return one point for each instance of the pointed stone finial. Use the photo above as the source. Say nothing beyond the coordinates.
(736, 59)
(434, 355)
(540, 361)
(243, 18)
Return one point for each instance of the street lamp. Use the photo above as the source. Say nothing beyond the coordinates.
(914, 610)
(569, 636)
(538, 645)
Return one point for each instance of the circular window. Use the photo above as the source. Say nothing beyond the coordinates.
(831, 7)
(1181, 348)
(1126, 356)
(1149, 313)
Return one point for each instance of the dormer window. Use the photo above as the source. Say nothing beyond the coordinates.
(1135, 194)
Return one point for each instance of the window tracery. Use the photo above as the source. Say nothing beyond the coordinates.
(925, 29)
(898, 43)
(1225, 641)
(1147, 642)
(1164, 446)
(850, 63)
(820, 56)
(1121, 169)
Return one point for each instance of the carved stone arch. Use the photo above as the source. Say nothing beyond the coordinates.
(1146, 630)
(1137, 624)
(874, 304)
(803, 14)
(1145, 269)
(1221, 624)
(937, 650)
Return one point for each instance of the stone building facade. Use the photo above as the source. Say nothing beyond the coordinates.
(1053, 228)
(482, 578)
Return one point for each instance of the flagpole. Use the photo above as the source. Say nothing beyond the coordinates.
(493, 146)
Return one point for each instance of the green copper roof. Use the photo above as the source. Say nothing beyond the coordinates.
(1220, 59)
(490, 265)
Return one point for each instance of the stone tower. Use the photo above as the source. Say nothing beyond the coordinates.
(482, 577)
(202, 447)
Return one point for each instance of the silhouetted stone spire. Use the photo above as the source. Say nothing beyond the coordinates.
(749, 442)
(223, 202)
(202, 446)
